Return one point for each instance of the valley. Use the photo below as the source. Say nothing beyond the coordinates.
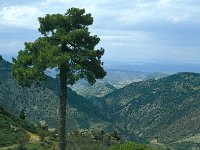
(166, 110)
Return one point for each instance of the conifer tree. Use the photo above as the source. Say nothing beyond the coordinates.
(66, 45)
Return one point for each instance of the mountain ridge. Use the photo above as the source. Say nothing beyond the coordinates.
(157, 109)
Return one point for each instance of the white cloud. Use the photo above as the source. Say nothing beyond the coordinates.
(22, 16)
(159, 11)
(133, 28)
(107, 13)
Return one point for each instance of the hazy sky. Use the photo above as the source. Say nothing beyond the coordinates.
(132, 30)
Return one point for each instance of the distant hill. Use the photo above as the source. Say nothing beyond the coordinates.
(41, 102)
(156, 75)
(99, 89)
(166, 110)
(115, 79)
(120, 78)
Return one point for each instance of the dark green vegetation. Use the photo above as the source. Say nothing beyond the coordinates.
(9, 130)
(41, 102)
(165, 110)
(67, 46)
(15, 131)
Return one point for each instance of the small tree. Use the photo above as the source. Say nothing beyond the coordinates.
(66, 45)
(22, 114)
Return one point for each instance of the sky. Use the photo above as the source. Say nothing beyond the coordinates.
(135, 31)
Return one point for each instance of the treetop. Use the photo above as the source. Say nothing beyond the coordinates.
(66, 43)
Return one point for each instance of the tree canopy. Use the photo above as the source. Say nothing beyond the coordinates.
(66, 41)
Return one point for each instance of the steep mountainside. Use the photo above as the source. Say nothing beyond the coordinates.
(41, 102)
(166, 110)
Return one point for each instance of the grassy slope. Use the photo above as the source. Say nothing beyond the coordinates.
(9, 136)
(25, 130)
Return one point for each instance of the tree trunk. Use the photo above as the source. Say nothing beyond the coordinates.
(62, 109)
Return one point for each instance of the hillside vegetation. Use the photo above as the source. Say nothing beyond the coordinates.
(41, 102)
(18, 134)
(165, 110)
(14, 130)
(162, 110)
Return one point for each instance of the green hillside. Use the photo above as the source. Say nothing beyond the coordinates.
(41, 102)
(9, 129)
(18, 134)
(166, 110)
(14, 130)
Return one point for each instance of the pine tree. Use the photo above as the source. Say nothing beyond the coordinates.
(66, 45)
